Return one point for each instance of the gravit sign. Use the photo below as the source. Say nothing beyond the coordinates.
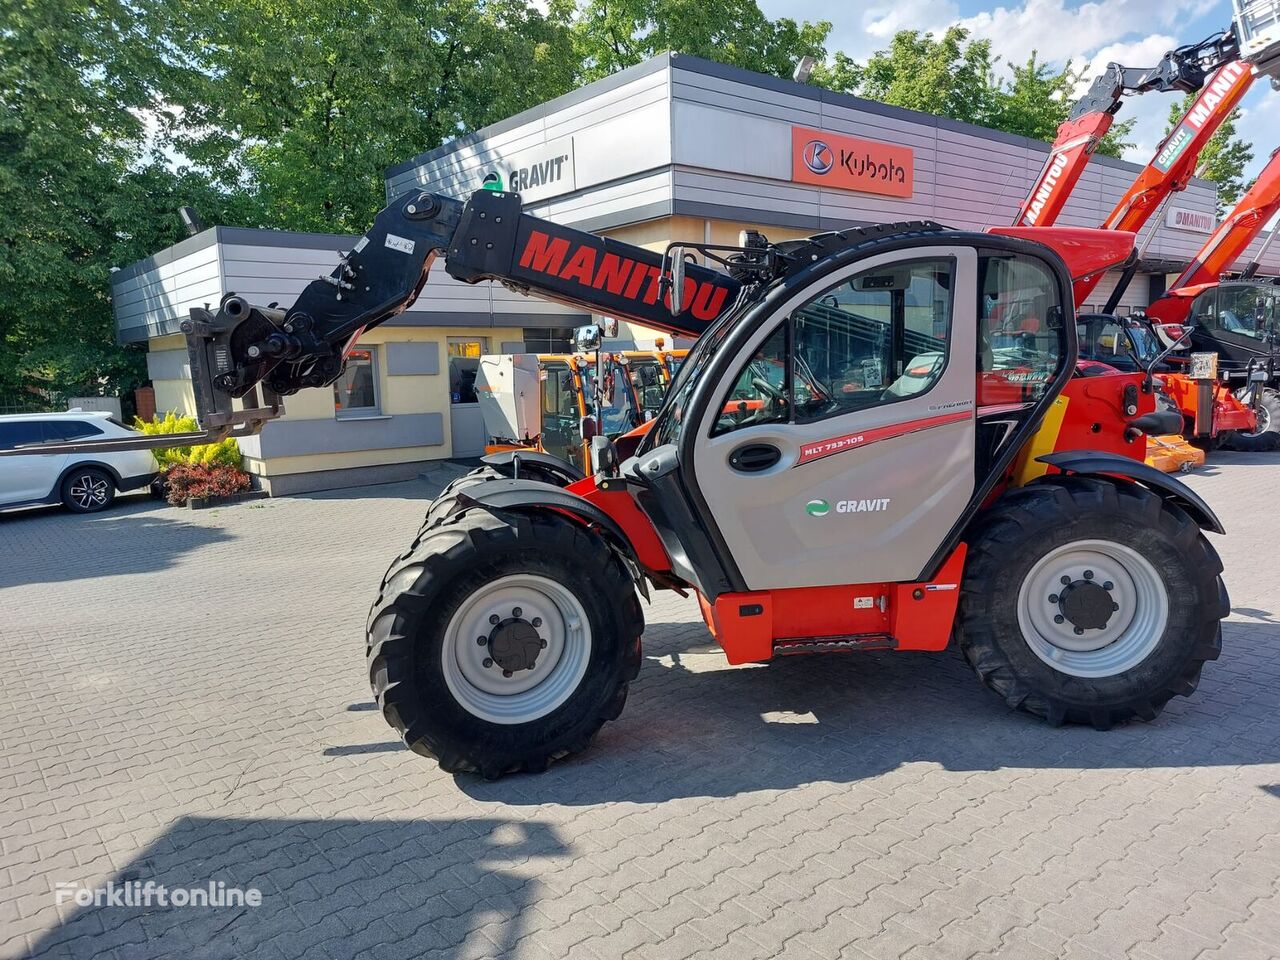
(1196, 221)
(536, 173)
(850, 163)
(1224, 90)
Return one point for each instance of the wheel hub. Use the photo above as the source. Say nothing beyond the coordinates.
(516, 648)
(1086, 605)
(1092, 608)
(514, 644)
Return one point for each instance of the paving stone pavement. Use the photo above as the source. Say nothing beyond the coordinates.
(184, 701)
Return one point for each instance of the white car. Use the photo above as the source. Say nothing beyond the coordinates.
(84, 482)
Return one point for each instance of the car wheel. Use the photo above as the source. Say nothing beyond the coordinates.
(88, 490)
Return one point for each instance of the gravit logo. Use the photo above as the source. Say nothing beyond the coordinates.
(820, 508)
(818, 157)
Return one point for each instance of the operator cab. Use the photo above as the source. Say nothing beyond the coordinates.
(1239, 320)
(883, 390)
(1125, 343)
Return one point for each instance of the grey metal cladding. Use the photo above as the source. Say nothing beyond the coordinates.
(406, 358)
(298, 438)
(168, 365)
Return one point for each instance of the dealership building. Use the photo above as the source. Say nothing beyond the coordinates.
(676, 148)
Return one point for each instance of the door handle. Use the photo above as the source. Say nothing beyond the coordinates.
(754, 457)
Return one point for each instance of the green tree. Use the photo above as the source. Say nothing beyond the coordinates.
(949, 76)
(611, 35)
(77, 194)
(1224, 157)
(1036, 99)
(953, 76)
(307, 102)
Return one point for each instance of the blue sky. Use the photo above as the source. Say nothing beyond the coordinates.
(1132, 32)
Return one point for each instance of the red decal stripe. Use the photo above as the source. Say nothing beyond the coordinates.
(849, 441)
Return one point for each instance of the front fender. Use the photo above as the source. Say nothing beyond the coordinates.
(527, 496)
(1110, 464)
(509, 464)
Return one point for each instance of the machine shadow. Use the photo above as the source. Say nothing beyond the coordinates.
(694, 727)
(428, 884)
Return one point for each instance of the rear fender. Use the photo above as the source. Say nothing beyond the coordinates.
(530, 496)
(1110, 466)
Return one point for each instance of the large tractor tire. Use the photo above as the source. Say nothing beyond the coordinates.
(499, 645)
(1267, 436)
(1090, 601)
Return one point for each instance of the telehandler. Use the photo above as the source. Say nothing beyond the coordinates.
(556, 402)
(852, 457)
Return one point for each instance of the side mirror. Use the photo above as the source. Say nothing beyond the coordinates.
(588, 427)
(675, 291)
(587, 339)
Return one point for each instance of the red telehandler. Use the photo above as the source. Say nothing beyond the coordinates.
(1238, 320)
(847, 460)
(1184, 69)
(1211, 412)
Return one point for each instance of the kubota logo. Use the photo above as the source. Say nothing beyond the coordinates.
(817, 156)
(817, 508)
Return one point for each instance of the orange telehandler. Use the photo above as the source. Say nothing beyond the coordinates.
(1236, 320)
(848, 459)
(1211, 412)
(555, 403)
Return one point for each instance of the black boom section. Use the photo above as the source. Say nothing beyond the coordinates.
(496, 241)
(1100, 463)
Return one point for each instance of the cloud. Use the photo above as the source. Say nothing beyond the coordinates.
(1058, 32)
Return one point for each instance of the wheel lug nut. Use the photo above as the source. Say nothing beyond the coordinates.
(1088, 574)
(1059, 618)
(516, 612)
(1053, 598)
(536, 621)
(1108, 585)
(506, 673)
(1065, 581)
(1115, 606)
(1079, 631)
(542, 644)
(482, 640)
(495, 619)
(487, 663)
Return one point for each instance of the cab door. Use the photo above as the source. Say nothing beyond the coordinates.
(842, 450)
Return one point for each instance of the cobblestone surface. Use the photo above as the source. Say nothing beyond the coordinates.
(184, 701)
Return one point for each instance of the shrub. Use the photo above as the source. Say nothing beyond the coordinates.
(225, 453)
(187, 480)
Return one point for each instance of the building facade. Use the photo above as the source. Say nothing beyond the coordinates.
(676, 148)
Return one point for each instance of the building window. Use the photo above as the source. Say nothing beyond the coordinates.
(548, 339)
(464, 361)
(355, 393)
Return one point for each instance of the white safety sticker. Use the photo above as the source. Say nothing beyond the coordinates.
(863, 603)
(399, 243)
(360, 244)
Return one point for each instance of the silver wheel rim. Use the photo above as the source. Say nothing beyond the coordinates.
(1263, 414)
(88, 491)
(541, 605)
(1133, 629)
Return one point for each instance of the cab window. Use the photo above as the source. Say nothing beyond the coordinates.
(1245, 310)
(874, 339)
(558, 397)
(1021, 327)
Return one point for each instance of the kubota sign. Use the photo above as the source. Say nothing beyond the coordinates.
(850, 163)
